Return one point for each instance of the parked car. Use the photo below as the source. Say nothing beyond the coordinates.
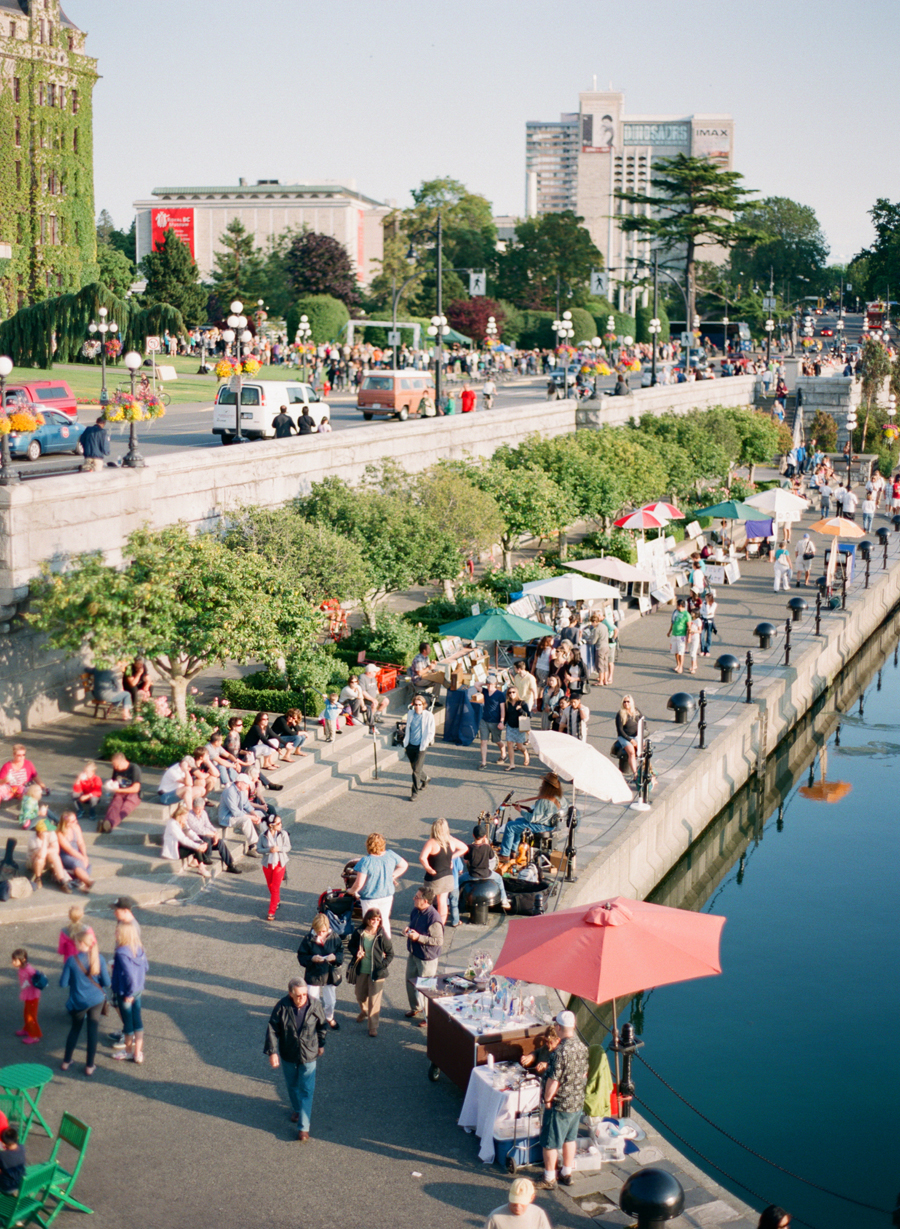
(57, 433)
(828, 332)
(261, 400)
(558, 375)
(394, 393)
(54, 394)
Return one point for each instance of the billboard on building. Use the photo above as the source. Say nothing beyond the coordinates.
(712, 143)
(180, 221)
(603, 132)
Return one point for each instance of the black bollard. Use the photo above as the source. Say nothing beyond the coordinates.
(572, 824)
(878, 688)
(868, 565)
(819, 613)
(787, 642)
(884, 543)
(749, 677)
(627, 1046)
(653, 1197)
(844, 588)
(645, 772)
(701, 724)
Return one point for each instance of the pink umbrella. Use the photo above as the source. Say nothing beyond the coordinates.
(640, 519)
(661, 508)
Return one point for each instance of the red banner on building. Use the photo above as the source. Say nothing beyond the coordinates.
(181, 221)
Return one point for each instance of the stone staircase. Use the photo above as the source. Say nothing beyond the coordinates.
(127, 861)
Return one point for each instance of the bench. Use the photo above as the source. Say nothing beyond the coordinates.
(108, 706)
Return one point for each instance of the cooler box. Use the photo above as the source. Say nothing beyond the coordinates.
(512, 1154)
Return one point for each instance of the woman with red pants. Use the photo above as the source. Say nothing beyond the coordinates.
(274, 845)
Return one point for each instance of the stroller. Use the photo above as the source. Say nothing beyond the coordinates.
(338, 904)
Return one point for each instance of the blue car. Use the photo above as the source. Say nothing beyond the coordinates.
(58, 433)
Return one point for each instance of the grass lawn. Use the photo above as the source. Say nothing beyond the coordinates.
(84, 379)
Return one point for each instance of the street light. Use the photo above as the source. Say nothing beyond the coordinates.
(770, 325)
(133, 458)
(9, 475)
(839, 327)
(851, 427)
(655, 328)
(304, 331)
(491, 331)
(237, 332)
(564, 329)
(103, 328)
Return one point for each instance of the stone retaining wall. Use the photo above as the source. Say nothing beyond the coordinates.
(735, 391)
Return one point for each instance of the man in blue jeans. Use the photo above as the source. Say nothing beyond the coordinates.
(295, 1039)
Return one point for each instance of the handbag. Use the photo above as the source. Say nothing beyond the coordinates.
(524, 724)
(335, 976)
(104, 1010)
(353, 971)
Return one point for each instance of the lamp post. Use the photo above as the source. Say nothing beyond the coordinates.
(851, 427)
(491, 331)
(103, 328)
(237, 332)
(770, 325)
(564, 329)
(839, 329)
(9, 475)
(438, 329)
(133, 458)
(655, 326)
(304, 330)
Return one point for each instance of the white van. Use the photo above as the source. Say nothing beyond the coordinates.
(261, 400)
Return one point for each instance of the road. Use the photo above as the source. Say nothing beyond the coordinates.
(190, 425)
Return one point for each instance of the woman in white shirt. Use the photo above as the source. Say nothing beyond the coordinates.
(180, 842)
(708, 608)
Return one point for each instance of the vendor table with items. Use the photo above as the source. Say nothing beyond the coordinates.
(463, 1029)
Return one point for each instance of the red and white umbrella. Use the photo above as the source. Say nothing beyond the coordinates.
(668, 511)
(641, 519)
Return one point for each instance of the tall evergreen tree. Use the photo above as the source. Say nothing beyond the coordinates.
(173, 278)
(237, 267)
(693, 202)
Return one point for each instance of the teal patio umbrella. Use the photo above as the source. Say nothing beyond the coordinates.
(730, 510)
(495, 625)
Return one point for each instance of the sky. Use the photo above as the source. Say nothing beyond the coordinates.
(394, 92)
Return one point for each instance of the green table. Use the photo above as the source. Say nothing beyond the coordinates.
(25, 1083)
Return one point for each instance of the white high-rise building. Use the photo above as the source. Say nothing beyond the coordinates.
(586, 158)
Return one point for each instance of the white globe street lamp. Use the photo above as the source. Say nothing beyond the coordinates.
(132, 458)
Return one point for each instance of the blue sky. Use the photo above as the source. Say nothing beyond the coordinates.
(395, 92)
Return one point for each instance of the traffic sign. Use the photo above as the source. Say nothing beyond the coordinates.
(769, 303)
(393, 337)
(477, 283)
(153, 345)
(598, 284)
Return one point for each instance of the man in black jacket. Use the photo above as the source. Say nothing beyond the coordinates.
(95, 445)
(295, 1038)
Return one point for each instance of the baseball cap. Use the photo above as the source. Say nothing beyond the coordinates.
(125, 902)
(521, 1190)
(243, 779)
(566, 1019)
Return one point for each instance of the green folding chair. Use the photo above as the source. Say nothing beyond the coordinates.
(74, 1133)
(26, 1205)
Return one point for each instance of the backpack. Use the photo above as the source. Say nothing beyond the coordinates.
(39, 980)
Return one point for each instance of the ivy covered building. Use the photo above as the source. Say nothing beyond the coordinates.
(46, 154)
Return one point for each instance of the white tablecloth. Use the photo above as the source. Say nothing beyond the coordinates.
(484, 1106)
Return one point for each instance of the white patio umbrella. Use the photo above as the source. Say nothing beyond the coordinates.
(612, 568)
(571, 588)
(582, 764)
(783, 506)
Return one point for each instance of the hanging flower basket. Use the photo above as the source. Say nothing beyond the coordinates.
(890, 432)
(113, 347)
(125, 408)
(635, 366)
(251, 366)
(226, 368)
(20, 421)
(91, 349)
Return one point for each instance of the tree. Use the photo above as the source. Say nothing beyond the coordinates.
(759, 438)
(320, 562)
(876, 366)
(470, 317)
(105, 226)
(173, 278)
(789, 242)
(877, 268)
(328, 317)
(116, 270)
(530, 502)
(317, 264)
(470, 515)
(402, 543)
(237, 268)
(125, 241)
(549, 253)
(185, 602)
(691, 205)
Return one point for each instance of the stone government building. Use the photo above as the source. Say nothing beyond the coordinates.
(46, 154)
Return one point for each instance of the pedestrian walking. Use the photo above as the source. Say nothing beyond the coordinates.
(436, 859)
(129, 976)
(708, 608)
(424, 941)
(377, 876)
(825, 494)
(321, 954)
(369, 952)
(782, 567)
(803, 558)
(520, 1210)
(677, 633)
(86, 976)
(517, 725)
(30, 995)
(563, 1099)
(295, 1040)
(274, 845)
(417, 739)
(694, 632)
(492, 719)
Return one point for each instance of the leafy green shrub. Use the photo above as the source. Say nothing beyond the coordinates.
(249, 694)
(394, 639)
(327, 317)
(583, 323)
(438, 611)
(158, 741)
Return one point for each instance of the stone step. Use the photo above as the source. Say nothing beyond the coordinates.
(49, 902)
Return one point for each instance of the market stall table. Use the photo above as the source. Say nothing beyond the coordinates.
(488, 1105)
(25, 1083)
(461, 1035)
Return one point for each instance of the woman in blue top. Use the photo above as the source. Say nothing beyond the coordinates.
(86, 976)
(129, 974)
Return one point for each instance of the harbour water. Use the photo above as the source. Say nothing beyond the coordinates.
(793, 1050)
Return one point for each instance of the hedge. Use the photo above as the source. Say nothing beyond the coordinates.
(242, 693)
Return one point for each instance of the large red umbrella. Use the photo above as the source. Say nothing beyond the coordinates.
(641, 519)
(612, 949)
(667, 511)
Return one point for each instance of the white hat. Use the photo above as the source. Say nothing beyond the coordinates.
(242, 779)
(566, 1019)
